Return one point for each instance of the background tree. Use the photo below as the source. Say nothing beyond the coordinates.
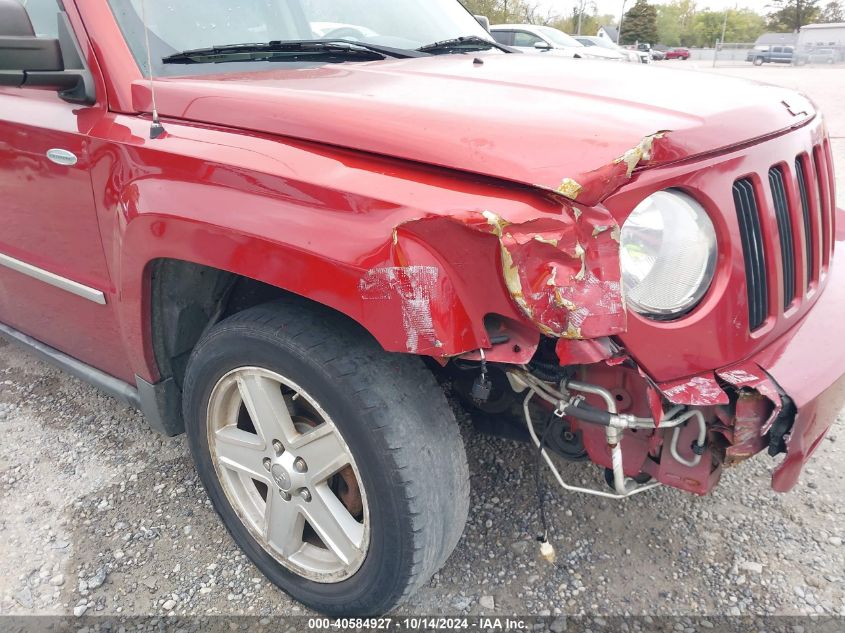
(590, 22)
(640, 24)
(744, 25)
(675, 23)
(505, 11)
(833, 12)
(790, 15)
(679, 23)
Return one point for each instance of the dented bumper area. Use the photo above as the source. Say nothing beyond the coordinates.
(786, 397)
(548, 324)
(781, 401)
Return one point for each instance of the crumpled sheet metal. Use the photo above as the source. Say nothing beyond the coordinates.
(563, 273)
(752, 376)
(704, 389)
(592, 187)
(560, 271)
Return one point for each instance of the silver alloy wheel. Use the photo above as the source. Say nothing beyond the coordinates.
(288, 474)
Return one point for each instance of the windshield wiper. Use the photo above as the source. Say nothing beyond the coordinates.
(463, 44)
(300, 50)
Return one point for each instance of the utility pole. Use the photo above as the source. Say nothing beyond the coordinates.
(580, 14)
(506, 10)
(621, 19)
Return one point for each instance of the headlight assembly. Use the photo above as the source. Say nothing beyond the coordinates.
(668, 255)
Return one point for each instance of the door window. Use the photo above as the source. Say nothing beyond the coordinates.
(528, 40)
(503, 37)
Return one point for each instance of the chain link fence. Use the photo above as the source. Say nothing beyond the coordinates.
(745, 54)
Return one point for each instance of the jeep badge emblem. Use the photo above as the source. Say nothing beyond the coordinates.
(62, 157)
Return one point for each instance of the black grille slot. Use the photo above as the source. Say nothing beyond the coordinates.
(808, 224)
(748, 215)
(822, 184)
(787, 241)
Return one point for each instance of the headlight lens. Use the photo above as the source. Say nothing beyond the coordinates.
(668, 255)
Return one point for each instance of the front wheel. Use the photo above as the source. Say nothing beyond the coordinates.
(337, 468)
(758, 61)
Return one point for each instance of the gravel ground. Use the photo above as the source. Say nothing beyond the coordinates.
(102, 516)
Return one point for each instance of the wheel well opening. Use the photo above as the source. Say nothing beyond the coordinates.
(187, 299)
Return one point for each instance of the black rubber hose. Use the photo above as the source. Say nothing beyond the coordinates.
(586, 413)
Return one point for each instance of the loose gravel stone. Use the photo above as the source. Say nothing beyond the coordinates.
(96, 581)
(58, 580)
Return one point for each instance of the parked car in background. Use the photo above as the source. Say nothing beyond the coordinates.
(818, 56)
(656, 55)
(638, 57)
(531, 38)
(677, 53)
(760, 55)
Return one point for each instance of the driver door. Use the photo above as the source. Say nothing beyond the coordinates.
(54, 281)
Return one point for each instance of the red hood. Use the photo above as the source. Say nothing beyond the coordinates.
(523, 118)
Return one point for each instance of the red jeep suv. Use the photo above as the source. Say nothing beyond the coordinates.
(282, 228)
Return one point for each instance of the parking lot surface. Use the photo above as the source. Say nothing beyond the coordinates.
(102, 516)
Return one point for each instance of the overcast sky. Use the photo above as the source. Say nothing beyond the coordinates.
(615, 6)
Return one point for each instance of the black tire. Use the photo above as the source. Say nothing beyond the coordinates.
(396, 422)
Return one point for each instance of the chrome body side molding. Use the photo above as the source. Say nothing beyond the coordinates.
(63, 283)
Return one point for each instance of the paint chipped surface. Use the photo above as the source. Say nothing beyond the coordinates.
(700, 391)
(416, 288)
(568, 290)
(640, 153)
(738, 377)
(594, 186)
(569, 188)
(559, 271)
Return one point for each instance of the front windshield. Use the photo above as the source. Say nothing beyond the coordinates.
(191, 24)
(558, 38)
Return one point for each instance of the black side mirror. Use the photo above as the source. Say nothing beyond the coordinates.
(39, 62)
(20, 51)
(543, 46)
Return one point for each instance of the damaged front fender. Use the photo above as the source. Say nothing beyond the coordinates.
(442, 276)
(560, 271)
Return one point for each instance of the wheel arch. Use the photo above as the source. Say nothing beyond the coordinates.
(184, 300)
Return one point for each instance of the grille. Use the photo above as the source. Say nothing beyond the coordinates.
(787, 242)
(800, 173)
(752, 248)
(801, 201)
